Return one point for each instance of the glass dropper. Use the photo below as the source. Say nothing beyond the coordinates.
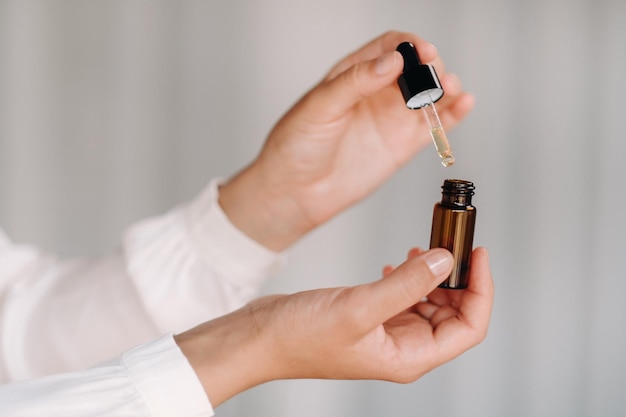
(438, 134)
(421, 88)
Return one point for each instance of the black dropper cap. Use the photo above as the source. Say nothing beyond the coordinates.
(419, 83)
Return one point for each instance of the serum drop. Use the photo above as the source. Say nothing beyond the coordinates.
(453, 228)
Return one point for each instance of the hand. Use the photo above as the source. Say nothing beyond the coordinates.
(337, 144)
(384, 330)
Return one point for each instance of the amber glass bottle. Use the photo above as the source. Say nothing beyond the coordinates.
(453, 228)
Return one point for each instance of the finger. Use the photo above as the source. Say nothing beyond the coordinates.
(387, 269)
(426, 309)
(442, 314)
(375, 303)
(414, 252)
(452, 88)
(363, 79)
(455, 104)
(388, 42)
(469, 326)
(457, 111)
(442, 296)
(477, 300)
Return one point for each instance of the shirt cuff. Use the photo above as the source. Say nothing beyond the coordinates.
(165, 380)
(224, 245)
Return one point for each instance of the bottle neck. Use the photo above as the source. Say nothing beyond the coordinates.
(457, 193)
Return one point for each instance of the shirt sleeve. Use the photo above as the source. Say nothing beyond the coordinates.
(152, 380)
(171, 273)
(192, 254)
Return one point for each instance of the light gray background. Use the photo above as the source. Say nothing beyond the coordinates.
(111, 111)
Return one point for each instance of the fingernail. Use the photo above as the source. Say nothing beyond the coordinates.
(385, 63)
(439, 261)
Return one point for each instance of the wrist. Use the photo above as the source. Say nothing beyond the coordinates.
(229, 355)
(266, 214)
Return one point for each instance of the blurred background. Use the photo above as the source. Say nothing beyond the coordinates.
(112, 111)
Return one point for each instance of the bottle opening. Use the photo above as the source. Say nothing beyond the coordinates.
(457, 193)
(458, 186)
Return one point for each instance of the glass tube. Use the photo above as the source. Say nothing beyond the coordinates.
(438, 134)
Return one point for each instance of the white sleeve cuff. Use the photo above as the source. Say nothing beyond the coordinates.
(165, 380)
(152, 380)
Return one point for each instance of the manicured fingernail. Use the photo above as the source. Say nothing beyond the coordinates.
(385, 63)
(439, 261)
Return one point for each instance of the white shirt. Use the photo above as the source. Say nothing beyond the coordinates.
(171, 273)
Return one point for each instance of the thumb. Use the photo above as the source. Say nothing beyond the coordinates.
(405, 286)
(338, 94)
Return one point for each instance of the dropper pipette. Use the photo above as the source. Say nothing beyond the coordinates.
(421, 88)
(438, 134)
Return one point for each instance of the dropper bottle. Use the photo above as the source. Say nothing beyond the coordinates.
(454, 219)
(421, 88)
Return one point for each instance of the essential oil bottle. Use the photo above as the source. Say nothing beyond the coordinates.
(454, 219)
